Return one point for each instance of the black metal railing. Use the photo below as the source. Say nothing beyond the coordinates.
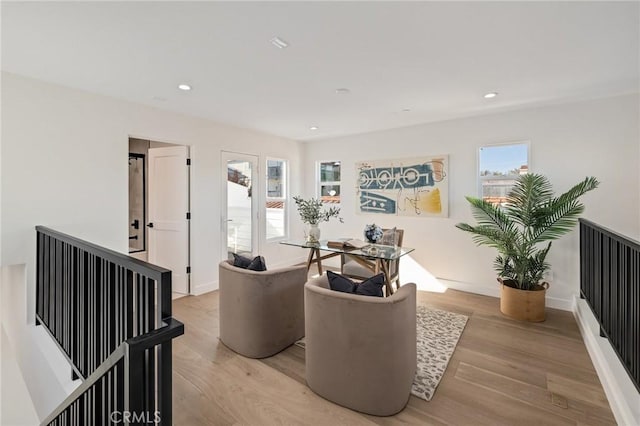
(610, 283)
(110, 314)
(117, 391)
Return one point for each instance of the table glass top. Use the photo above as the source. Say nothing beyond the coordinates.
(376, 251)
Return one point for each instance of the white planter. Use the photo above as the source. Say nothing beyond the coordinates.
(313, 234)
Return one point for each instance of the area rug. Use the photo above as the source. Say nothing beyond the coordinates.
(438, 334)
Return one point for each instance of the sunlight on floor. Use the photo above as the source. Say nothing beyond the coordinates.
(412, 272)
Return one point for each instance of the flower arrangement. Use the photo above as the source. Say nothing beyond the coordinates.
(312, 211)
(373, 233)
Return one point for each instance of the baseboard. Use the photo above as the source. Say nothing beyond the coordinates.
(494, 291)
(623, 397)
(562, 304)
(204, 288)
(288, 262)
(485, 290)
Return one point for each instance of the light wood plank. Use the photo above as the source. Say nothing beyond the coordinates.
(503, 372)
(577, 390)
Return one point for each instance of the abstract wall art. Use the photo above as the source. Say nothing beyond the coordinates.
(416, 186)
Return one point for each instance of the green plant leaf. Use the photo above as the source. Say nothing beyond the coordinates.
(528, 195)
(312, 211)
(560, 215)
(531, 216)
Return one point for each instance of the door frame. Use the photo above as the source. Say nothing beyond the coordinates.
(190, 155)
(255, 195)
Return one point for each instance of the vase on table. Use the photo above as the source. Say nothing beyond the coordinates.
(313, 234)
(372, 233)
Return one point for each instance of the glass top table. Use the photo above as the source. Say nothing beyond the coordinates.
(370, 250)
(378, 255)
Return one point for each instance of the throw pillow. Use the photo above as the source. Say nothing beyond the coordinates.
(372, 286)
(369, 287)
(240, 261)
(341, 283)
(255, 264)
(389, 237)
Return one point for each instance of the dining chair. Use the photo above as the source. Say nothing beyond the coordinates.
(362, 268)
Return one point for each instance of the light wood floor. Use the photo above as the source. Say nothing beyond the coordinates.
(503, 372)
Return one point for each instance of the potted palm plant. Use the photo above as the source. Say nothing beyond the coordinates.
(521, 231)
(312, 212)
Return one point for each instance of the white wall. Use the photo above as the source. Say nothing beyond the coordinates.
(45, 371)
(568, 142)
(64, 166)
(16, 406)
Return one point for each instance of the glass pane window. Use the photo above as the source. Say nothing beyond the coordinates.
(329, 181)
(276, 204)
(499, 167)
(275, 178)
(329, 191)
(240, 205)
(330, 171)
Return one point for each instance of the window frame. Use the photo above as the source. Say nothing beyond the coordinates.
(479, 178)
(284, 198)
(320, 183)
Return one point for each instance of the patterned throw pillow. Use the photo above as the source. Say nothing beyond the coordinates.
(255, 264)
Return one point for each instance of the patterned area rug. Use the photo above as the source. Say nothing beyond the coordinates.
(438, 335)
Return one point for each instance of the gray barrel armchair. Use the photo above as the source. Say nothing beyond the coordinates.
(360, 350)
(261, 313)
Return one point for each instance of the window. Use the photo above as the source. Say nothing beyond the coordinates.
(329, 181)
(276, 200)
(499, 167)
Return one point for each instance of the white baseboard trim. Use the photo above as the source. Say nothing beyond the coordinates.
(494, 291)
(204, 288)
(288, 262)
(623, 397)
(562, 304)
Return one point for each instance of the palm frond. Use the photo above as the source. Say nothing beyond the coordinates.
(489, 215)
(532, 216)
(488, 235)
(560, 215)
(529, 193)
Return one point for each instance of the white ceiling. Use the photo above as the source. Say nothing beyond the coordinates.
(435, 58)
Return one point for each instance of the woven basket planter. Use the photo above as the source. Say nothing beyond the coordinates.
(523, 305)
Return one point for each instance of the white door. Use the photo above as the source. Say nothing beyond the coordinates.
(239, 206)
(168, 213)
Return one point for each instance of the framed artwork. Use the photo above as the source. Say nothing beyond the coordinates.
(417, 187)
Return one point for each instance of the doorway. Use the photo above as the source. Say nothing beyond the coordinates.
(137, 205)
(159, 212)
(239, 213)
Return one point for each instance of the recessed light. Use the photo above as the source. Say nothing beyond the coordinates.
(184, 87)
(343, 91)
(406, 109)
(491, 95)
(313, 128)
(279, 43)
